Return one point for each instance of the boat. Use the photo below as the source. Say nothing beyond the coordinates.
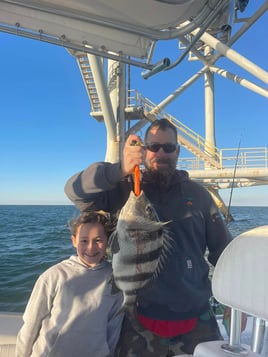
(109, 37)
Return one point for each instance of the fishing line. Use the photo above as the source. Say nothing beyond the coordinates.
(232, 187)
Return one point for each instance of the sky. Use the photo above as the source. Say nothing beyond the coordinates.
(47, 133)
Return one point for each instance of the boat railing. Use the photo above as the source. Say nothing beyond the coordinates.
(242, 158)
(206, 154)
(187, 137)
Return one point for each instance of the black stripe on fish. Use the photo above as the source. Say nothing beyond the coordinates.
(130, 292)
(131, 278)
(143, 258)
(142, 236)
(145, 236)
(146, 233)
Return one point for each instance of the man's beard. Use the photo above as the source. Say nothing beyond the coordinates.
(160, 176)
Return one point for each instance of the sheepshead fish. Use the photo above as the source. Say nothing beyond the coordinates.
(139, 246)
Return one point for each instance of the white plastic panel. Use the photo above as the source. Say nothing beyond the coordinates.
(240, 278)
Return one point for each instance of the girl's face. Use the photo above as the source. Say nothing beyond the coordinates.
(90, 243)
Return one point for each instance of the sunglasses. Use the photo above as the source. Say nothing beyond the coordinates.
(168, 148)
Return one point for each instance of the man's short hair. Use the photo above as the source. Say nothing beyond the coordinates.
(162, 124)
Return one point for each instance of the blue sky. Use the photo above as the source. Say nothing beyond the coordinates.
(47, 133)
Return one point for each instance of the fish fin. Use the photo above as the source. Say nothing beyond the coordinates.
(168, 241)
(113, 243)
(168, 244)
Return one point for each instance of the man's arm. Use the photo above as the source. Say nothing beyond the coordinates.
(96, 187)
(99, 187)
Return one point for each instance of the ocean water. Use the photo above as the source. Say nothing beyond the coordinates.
(32, 238)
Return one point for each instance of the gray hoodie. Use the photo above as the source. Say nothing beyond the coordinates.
(71, 312)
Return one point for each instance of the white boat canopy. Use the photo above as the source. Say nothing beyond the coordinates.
(112, 28)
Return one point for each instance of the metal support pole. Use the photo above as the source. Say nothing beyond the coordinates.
(234, 345)
(234, 56)
(96, 65)
(257, 335)
(117, 92)
(209, 113)
(264, 351)
(178, 91)
(241, 81)
(235, 328)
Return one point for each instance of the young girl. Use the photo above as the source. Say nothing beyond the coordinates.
(71, 311)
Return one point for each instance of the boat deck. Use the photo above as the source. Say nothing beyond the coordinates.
(10, 323)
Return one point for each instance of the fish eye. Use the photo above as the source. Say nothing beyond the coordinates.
(148, 210)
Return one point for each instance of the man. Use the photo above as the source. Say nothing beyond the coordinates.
(174, 310)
